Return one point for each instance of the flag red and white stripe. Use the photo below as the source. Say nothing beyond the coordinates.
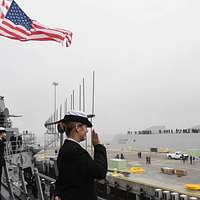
(37, 31)
(4, 6)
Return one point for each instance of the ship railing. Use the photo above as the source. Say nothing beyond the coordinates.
(42, 181)
(40, 178)
(10, 185)
(45, 185)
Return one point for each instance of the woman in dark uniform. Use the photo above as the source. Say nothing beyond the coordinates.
(77, 170)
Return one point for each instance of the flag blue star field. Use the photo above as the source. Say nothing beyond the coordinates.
(15, 24)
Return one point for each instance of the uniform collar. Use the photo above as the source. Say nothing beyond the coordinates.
(72, 140)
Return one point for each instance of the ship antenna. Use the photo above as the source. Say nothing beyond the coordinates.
(93, 104)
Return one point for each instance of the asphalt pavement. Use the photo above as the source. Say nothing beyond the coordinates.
(152, 172)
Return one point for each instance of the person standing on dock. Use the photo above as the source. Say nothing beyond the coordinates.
(2, 145)
(191, 160)
(147, 160)
(122, 156)
(77, 170)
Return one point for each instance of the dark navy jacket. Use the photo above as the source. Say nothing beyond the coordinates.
(77, 171)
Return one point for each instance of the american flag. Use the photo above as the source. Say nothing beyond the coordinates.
(15, 24)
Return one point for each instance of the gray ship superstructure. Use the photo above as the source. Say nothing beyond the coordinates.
(18, 155)
(160, 138)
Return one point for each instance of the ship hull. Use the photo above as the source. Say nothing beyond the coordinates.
(160, 141)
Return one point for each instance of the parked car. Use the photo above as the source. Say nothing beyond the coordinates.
(177, 155)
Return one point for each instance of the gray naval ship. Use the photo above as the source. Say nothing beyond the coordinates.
(18, 180)
(161, 138)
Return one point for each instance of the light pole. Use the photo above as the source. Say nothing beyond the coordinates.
(55, 84)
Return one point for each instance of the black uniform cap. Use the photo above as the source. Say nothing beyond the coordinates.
(73, 116)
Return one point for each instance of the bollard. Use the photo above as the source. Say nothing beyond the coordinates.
(166, 195)
(193, 198)
(158, 194)
(183, 197)
(174, 196)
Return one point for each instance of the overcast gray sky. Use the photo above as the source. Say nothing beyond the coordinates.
(145, 54)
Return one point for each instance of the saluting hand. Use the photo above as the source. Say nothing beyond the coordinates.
(95, 138)
(57, 198)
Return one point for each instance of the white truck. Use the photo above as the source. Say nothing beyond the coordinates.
(177, 155)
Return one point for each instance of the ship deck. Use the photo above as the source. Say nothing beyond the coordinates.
(153, 176)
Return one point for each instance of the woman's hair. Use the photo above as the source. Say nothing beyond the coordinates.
(67, 128)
